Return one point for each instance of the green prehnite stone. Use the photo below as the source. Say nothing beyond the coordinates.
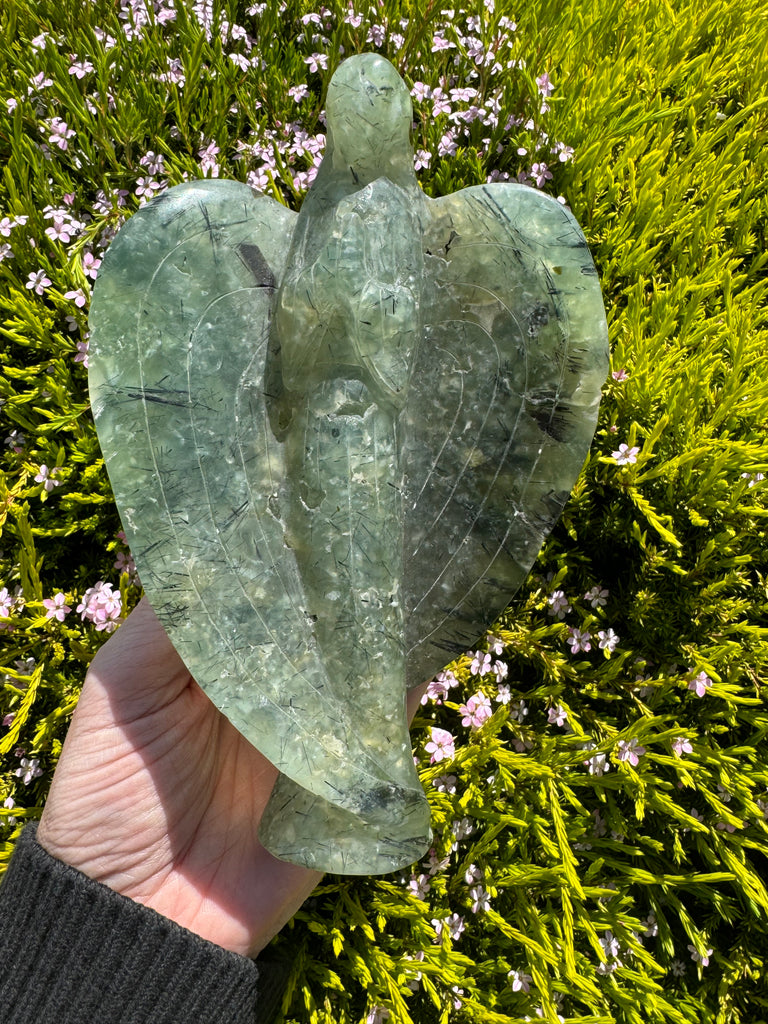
(337, 441)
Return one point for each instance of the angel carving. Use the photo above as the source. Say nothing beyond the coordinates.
(337, 441)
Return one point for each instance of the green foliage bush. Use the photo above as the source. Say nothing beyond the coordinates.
(600, 841)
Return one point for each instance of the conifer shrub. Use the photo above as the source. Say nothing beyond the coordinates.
(597, 766)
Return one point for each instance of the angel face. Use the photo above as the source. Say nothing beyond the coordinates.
(369, 114)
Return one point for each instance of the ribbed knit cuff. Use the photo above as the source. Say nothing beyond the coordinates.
(74, 951)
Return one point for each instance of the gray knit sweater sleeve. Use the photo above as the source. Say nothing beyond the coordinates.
(72, 951)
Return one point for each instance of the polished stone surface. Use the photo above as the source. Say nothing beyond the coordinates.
(337, 441)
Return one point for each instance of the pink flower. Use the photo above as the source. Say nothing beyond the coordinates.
(540, 174)
(630, 751)
(146, 187)
(81, 356)
(481, 663)
(518, 711)
(558, 604)
(501, 669)
(625, 456)
(608, 640)
(579, 640)
(455, 925)
(78, 296)
(154, 162)
(420, 92)
(258, 179)
(419, 886)
(755, 478)
(700, 684)
(7, 224)
(476, 711)
(557, 716)
(376, 35)
(30, 769)
(463, 95)
(421, 159)
(175, 73)
(102, 606)
(90, 265)
(15, 441)
(445, 784)
(38, 82)
(208, 159)
(598, 764)
(545, 86)
(436, 864)
(302, 180)
(45, 477)
(520, 981)
(469, 115)
(681, 745)
(620, 375)
(475, 51)
(480, 897)
(441, 43)
(447, 146)
(56, 606)
(440, 103)
(436, 690)
(80, 68)
(60, 230)
(38, 282)
(495, 644)
(473, 875)
(596, 597)
(440, 746)
(125, 563)
(60, 133)
(700, 958)
(317, 61)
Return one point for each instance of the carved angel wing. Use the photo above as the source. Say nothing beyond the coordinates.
(502, 406)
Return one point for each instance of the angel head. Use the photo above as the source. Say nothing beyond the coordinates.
(368, 111)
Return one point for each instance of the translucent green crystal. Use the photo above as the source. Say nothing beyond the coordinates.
(337, 441)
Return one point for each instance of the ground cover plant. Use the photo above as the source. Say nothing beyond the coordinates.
(597, 766)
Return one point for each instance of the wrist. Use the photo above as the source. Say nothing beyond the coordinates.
(73, 949)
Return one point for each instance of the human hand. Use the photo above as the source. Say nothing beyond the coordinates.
(159, 797)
